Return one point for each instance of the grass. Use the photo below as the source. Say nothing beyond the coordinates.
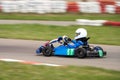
(17, 71)
(99, 35)
(59, 17)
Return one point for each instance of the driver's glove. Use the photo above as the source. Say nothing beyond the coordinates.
(69, 39)
(65, 43)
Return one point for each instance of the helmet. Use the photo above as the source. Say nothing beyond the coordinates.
(65, 38)
(80, 33)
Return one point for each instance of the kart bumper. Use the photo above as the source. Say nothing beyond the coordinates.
(96, 53)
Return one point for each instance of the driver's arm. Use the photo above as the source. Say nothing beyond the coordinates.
(75, 44)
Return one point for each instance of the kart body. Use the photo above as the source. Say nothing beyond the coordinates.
(81, 52)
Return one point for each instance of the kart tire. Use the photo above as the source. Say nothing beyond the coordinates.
(80, 52)
(100, 51)
(48, 51)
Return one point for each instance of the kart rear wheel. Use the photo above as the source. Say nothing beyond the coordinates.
(80, 53)
(48, 51)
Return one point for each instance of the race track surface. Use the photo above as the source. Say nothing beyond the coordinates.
(25, 50)
(57, 23)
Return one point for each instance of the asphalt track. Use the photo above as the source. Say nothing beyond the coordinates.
(25, 50)
(57, 23)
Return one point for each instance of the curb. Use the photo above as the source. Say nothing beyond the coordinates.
(97, 22)
(28, 62)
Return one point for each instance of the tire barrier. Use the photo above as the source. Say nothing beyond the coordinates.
(96, 22)
(117, 10)
(59, 6)
(110, 9)
(89, 7)
(104, 3)
(34, 6)
(0, 8)
(72, 7)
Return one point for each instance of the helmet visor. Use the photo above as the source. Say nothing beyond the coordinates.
(76, 34)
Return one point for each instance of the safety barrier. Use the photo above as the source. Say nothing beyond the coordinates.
(104, 3)
(35, 6)
(89, 7)
(60, 6)
(0, 8)
(117, 10)
(72, 7)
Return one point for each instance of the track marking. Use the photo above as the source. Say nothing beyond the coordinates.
(28, 62)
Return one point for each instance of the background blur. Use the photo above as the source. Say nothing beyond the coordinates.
(60, 6)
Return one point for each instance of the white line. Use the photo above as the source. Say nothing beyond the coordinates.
(11, 60)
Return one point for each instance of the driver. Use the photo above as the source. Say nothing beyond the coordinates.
(80, 37)
(81, 34)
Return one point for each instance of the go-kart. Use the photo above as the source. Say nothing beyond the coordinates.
(83, 51)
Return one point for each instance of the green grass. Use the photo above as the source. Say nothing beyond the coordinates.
(60, 17)
(99, 35)
(17, 71)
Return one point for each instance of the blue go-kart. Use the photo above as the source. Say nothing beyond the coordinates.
(81, 52)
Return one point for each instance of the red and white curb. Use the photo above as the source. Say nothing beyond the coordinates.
(28, 62)
(97, 22)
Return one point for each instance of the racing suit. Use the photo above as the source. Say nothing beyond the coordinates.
(74, 44)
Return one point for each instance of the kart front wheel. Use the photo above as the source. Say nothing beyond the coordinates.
(80, 53)
(47, 51)
(100, 51)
